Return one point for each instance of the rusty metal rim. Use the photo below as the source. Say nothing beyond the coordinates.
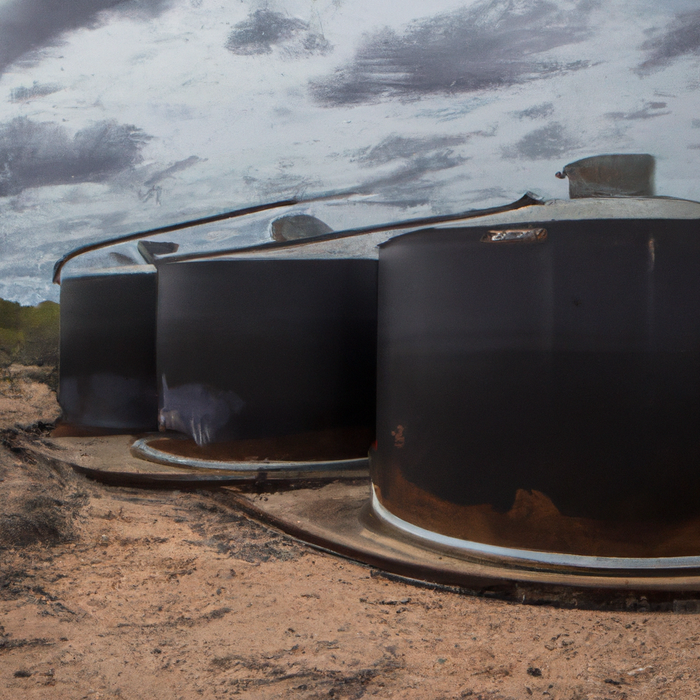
(352, 468)
(519, 557)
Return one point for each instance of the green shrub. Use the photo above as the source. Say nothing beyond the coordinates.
(29, 335)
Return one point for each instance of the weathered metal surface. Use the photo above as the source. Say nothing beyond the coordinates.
(563, 563)
(544, 394)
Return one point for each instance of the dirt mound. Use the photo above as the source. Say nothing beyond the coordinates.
(35, 520)
(26, 398)
(40, 496)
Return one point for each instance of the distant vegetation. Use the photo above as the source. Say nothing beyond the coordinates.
(29, 334)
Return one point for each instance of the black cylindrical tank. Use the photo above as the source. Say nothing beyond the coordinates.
(107, 356)
(255, 348)
(539, 388)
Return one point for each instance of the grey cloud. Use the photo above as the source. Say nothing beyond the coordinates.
(487, 46)
(155, 190)
(536, 111)
(457, 109)
(414, 158)
(551, 141)
(40, 154)
(24, 94)
(680, 38)
(402, 147)
(487, 193)
(282, 185)
(105, 222)
(27, 25)
(170, 171)
(410, 182)
(406, 186)
(264, 29)
(696, 123)
(649, 111)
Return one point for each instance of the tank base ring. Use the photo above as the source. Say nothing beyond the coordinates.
(274, 470)
(339, 518)
(531, 558)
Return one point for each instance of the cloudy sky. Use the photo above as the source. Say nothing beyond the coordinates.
(122, 115)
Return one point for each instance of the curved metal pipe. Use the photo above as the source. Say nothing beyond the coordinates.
(526, 200)
(236, 213)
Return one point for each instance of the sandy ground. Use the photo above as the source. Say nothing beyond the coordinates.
(120, 593)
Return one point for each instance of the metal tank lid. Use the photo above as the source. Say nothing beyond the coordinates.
(348, 244)
(357, 242)
(597, 208)
(89, 271)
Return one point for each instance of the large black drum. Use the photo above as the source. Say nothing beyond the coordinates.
(107, 360)
(259, 348)
(539, 390)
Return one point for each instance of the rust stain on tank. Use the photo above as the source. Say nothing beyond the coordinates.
(399, 437)
(515, 235)
(533, 522)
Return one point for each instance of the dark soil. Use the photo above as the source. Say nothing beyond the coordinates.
(42, 497)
